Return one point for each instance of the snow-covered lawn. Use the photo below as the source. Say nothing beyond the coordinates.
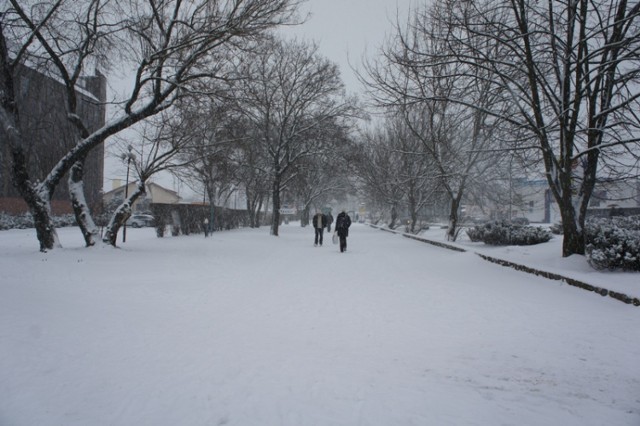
(547, 257)
(248, 329)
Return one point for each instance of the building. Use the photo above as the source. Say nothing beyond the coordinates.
(532, 199)
(155, 194)
(48, 135)
(614, 198)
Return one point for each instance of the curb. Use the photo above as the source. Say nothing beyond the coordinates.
(549, 275)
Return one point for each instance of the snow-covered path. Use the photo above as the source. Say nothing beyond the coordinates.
(248, 329)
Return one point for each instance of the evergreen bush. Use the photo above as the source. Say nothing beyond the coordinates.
(20, 221)
(25, 221)
(505, 233)
(556, 229)
(613, 243)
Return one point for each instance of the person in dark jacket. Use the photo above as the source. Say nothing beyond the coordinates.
(319, 223)
(205, 227)
(329, 221)
(343, 222)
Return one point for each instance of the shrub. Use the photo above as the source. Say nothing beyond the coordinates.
(21, 221)
(613, 243)
(25, 220)
(64, 220)
(556, 229)
(506, 233)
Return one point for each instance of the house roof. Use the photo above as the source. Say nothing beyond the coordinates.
(150, 186)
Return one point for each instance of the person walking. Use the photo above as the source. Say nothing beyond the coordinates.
(205, 227)
(343, 222)
(329, 221)
(319, 223)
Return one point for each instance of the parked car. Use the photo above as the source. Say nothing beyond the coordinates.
(140, 220)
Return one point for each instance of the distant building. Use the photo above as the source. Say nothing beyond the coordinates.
(155, 194)
(615, 198)
(48, 135)
(616, 194)
(532, 199)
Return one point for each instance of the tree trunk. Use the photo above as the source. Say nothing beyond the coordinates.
(81, 210)
(573, 240)
(452, 233)
(573, 230)
(275, 222)
(394, 217)
(258, 211)
(562, 188)
(250, 210)
(304, 217)
(254, 206)
(121, 215)
(413, 214)
(211, 214)
(38, 200)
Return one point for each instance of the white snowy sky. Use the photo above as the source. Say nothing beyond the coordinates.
(244, 329)
(349, 30)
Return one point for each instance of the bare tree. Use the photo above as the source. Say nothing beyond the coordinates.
(216, 134)
(418, 172)
(286, 91)
(564, 72)
(379, 171)
(170, 44)
(162, 141)
(456, 136)
(322, 175)
(393, 155)
(252, 171)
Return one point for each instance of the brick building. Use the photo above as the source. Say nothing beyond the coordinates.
(48, 135)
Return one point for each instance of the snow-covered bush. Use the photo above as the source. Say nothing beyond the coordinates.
(21, 221)
(506, 233)
(613, 243)
(64, 220)
(556, 229)
(25, 220)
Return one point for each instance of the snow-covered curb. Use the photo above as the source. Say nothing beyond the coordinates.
(550, 275)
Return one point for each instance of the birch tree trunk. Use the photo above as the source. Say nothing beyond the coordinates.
(89, 230)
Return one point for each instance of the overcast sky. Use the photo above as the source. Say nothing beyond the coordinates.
(346, 30)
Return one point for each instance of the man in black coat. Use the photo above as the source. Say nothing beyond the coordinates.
(319, 223)
(343, 222)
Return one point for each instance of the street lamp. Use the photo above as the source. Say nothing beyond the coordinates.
(128, 156)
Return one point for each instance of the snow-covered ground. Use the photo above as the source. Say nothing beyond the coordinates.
(248, 329)
(547, 257)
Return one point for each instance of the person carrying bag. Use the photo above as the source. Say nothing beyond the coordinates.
(343, 222)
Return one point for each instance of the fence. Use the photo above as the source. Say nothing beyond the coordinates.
(185, 219)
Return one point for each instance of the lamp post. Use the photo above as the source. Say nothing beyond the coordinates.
(128, 156)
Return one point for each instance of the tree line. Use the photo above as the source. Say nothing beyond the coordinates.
(216, 96)
(468, 87)
(468, 91)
